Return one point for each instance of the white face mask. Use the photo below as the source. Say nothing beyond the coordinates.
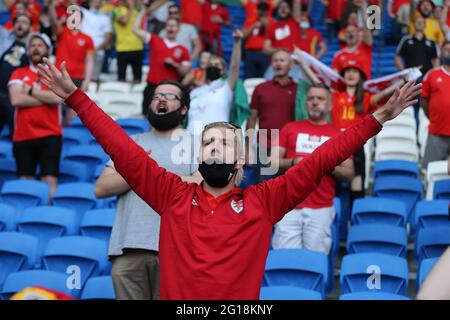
(304, 25)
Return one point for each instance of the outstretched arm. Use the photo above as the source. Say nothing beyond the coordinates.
(233, 74)
(282, 194)
(437, 284)
(141, 172)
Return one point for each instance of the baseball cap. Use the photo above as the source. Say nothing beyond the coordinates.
(43, 37)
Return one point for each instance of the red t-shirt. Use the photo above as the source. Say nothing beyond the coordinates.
(210, 10)
(300, 139)
(255, 40)
(436, 87)
(285, 34)
(214, 254)
(343, 113)
(276, 107)
(34, 122)
(73, 48)
(191, 12)
(159, 50)
(335, 9)
(309, 40)
(362, 52)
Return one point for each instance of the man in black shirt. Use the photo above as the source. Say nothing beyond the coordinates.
(417, 50)
(14, 57)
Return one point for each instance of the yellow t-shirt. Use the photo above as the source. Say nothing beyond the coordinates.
(126, 40)
(432, 30)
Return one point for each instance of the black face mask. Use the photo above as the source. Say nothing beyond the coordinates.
(445, 60)
(212, 73)
(217, 175)
(164, 122)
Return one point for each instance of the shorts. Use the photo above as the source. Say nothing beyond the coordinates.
(45, 152)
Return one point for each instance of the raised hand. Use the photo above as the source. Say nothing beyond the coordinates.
(237, 34)
(56, 80)
(401, 99)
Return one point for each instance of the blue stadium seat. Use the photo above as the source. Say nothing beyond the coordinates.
(87, 254)
(7, 217)
(73, 171)
(297, 267)
(396, 168)
(377, 238)
(407, 190)
(134, 125)
(98, 171)
(442, 189)
(431, 242)
(98, 223)
(23, 194)
(90, 155)
(288, 293)
(18, 281)
(357, 271)
(75, 137)
(78, 196)
(99, 288)
(378, 210)
(17, 252)
(424, 269)
(370, 295)
(46, 223)
(431, 214)
(6, 150)
(7, 170)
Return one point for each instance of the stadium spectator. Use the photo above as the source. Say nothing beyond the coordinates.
(350, 105)
(97, 25)
(215, 237)
(158, 13)
(29, 7)
(335, 10)
(357, 47)
(432, 25)
(168, 59)
(251, 10)
(444, 20)
(255, 32)
(15, 56)
(133, 247)
(191, 12)
(311, 40)
(286, 32)
(436, 105)
(399, 11)
(417, 50)
(187, 36)
(213, 101)
(197, 77)
(273, 106)
(37, 131)
(77, 49)
(436, 285)
(214, 16)
(129, 48)
(308, 226)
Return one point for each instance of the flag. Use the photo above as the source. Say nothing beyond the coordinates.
(379, 84)
(326, 75)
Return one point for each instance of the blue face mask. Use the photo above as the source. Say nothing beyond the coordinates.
(445, 60)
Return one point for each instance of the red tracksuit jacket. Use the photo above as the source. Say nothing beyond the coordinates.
(214, 254)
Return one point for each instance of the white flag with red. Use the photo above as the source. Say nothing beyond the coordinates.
(379, 84)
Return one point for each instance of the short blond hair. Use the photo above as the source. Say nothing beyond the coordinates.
(239, 143)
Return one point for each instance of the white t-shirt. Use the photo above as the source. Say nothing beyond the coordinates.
(96, 25)
(209, 103)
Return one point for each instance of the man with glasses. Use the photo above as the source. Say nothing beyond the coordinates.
(187, 36)
(133, 248)
(214, 236)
